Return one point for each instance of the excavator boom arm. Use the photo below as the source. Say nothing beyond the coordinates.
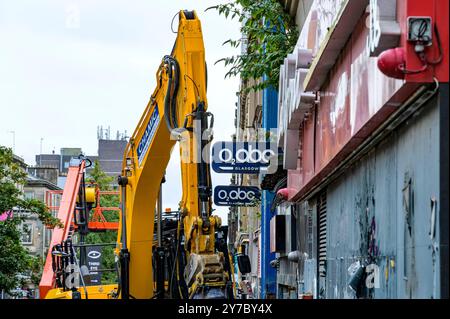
(177, 111)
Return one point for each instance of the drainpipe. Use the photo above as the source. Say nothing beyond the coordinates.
(268, 273)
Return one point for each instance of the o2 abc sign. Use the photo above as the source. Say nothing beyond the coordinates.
(243, 157)
(236, 195)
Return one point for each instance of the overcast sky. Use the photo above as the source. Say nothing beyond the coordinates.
(67, 67)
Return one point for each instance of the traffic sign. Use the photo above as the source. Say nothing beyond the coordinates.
(243, 157)
(236, 195)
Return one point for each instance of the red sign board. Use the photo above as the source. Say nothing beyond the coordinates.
(356, 97)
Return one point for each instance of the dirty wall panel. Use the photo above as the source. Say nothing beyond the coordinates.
(350, 207)
(385, 218)
(367, 219)
(418, 154)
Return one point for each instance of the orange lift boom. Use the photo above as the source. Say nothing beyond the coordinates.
(65, 215)
(66, 210)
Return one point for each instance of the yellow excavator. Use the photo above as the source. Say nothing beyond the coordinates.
(177, 111)
(189, 260)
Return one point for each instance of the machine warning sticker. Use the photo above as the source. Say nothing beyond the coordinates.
(147, 138)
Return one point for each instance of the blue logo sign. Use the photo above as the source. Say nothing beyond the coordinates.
(236, 195)
(147, 138)
(243, 157)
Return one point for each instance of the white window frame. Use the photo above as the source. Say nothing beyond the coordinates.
(31, 230)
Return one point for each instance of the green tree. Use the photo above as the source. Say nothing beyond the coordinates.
(98, 176)
(269, 35)
(14, 258)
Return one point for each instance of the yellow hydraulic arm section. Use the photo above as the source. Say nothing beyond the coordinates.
(177, 111)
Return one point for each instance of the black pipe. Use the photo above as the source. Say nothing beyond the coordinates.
(125, 273)
(94, 245)
(124, 255)
(203, 174)
(170, 100)
(160, 272)
(83, 228)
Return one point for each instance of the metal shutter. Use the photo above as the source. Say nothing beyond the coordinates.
(322, 212)
(310, 233)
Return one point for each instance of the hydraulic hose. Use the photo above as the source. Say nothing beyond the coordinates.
(170, 100)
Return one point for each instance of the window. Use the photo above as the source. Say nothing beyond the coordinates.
(27, 233)
(29, 194)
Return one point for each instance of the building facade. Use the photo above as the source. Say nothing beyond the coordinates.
(365, 149)
(110, 157)
(245, 222)
(34, 234)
